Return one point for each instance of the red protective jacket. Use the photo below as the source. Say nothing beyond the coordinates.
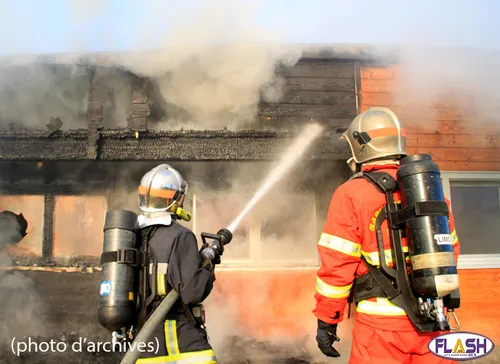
(349, 231)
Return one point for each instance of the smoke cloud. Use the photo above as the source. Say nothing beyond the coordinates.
(443, 84)
(214, 67)
(21, 304)
(210, 68)
(33, 95)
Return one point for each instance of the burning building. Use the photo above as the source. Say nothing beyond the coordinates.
(67, 157)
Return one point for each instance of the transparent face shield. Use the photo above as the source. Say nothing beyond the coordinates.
(156, 197)
(350, 162)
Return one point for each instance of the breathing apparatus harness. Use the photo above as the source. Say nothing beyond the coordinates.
(130, 268)
(129, 296)
(421, 217)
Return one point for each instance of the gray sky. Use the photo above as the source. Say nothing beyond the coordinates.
(35, 26)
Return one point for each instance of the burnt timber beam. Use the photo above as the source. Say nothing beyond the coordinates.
(167, 145)
(48, 227)
(358, 86)
(139, 108)
(94, 113)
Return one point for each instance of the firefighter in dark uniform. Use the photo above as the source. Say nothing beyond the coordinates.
(179, 266)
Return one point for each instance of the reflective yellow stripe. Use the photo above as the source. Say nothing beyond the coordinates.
(382, 307)
(373, 257)
(171, 337)
(454, 237)
(196, 357)
(160, 284)
(326, 290)
(342, 245)
(161, 288)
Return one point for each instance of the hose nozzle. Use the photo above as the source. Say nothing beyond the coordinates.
(226, 236)
(216, 246)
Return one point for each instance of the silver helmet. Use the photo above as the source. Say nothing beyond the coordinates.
(375, 134)
(162, 189)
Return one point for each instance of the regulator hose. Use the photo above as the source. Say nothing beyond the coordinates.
(156, 319)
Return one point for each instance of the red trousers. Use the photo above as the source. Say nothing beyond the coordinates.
(378, 346)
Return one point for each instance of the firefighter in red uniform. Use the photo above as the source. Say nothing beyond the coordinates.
(382, 332)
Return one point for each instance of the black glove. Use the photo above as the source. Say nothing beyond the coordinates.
(217, 250)
(326, 336)
(216, 260)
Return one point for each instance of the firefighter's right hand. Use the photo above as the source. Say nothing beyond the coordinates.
(216, 250)
(326, 337)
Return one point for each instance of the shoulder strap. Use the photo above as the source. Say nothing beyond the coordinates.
(147, 288)
(387, 185)
(384, 182)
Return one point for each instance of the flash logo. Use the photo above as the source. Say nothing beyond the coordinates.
(461, 346)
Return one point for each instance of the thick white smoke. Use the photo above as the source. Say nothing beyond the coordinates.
(210, 65)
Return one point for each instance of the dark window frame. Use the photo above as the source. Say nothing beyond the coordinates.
(472, 261)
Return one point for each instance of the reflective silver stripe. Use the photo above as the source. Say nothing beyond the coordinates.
(339, 244)
(373, 257)
(382, 307)
(197, 357)
(326, 290)
(162, 268)
(171, 337)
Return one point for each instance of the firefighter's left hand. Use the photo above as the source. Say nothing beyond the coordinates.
(326, 337)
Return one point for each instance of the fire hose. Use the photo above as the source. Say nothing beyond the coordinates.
(154, 320)
(223, 237)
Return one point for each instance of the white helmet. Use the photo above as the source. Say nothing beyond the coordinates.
(375, 134)
(162, 189)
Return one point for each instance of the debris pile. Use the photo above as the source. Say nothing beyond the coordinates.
(240, 350)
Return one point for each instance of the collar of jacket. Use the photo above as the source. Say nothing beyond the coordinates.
(392, 164)
(161, 218)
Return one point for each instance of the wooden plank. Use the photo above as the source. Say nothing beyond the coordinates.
(294, 124)
(437, 153)
(319, 98)
(459, 154)
(325, 112)
(452, 127)
(378, 85)
(480, 288)
(319, 84)
(409, 113)
(379, 73)
(318, 69)
(452, 140)
(399, 100)
(377, 99)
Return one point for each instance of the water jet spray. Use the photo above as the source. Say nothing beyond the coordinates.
(224, 236)
(287, 161)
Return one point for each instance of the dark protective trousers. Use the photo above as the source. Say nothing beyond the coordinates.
(180, 341)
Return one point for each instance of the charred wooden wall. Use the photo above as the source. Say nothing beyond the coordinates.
(317, 89)
(321, 90)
